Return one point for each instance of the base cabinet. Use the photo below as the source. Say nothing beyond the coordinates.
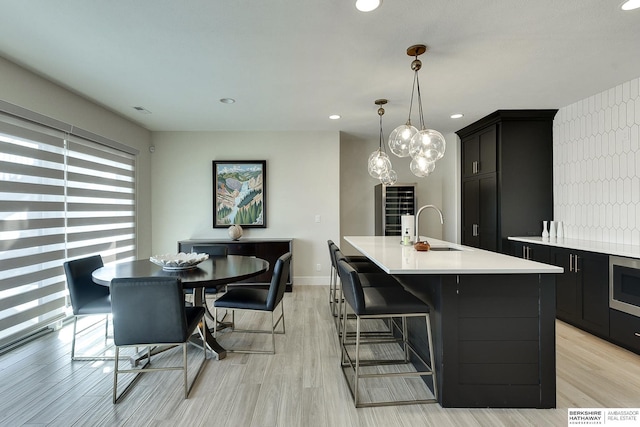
(269, 250)
(625, 330)
(539, 253)
(582, 291)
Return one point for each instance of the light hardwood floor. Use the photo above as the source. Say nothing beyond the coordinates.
(301, 385)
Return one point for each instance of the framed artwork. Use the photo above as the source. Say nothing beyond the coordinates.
(239, 193)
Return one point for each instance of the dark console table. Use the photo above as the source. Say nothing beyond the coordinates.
(267, 249)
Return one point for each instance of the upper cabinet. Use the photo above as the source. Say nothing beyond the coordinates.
(479, 152)
(507, 177)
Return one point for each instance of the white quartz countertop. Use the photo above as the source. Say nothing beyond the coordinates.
(631, 251)
(394, 258)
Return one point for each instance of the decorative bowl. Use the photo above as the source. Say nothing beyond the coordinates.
(422, 246)
(179, 261)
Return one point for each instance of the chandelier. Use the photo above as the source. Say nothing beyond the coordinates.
(379, 163)
(425, 146)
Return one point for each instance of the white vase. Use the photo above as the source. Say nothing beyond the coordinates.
(235, 232)
(552, 229)
(545, 231)
(560, 230)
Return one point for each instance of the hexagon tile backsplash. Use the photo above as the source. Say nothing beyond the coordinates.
(596, 166)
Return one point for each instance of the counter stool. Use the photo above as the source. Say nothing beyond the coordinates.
(369, 277)
(381, 303)
(361, 263)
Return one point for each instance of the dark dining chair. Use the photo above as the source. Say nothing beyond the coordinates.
(261, 300)
(87, 298)
(150, 311)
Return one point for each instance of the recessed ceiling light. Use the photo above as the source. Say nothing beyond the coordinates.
(457, 116)
(630, 5)
(367, 5)
(335, 116)
(227, 100)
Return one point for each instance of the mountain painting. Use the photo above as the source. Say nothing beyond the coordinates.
(239, 193)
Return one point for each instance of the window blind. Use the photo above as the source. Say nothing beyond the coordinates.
(61, 197)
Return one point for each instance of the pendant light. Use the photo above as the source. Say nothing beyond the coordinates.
(379, 164)
(425, 146)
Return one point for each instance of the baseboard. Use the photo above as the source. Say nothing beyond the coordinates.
(310, 280)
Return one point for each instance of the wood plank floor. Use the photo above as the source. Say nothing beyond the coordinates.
(301, 385)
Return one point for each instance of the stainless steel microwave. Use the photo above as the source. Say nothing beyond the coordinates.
(624, 284)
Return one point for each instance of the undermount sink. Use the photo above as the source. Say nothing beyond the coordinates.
(443, 249)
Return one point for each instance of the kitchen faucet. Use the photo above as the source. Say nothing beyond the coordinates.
(418, 218)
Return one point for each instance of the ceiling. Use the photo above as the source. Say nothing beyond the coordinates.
(291, 63)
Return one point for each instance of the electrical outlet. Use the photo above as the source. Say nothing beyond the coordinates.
(318, 267)
(318, 219)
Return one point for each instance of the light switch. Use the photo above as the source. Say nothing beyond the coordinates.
(318, 218)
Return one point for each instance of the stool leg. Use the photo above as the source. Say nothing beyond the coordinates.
(405, 339)
(432, 362)
(357, 370)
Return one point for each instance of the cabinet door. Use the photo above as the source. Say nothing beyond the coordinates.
(480, 213)
(488, 211)
(566, 287)
(593, 272)
(479, 152)
(518, 249)
(470, 213)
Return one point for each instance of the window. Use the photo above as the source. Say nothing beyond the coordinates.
(61, 197)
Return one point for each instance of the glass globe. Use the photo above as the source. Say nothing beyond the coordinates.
(428, 143)
(400, 138)
(379, 163)
(389, 178)
(421, 166)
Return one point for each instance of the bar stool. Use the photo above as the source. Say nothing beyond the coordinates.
(370, 276)
(381, 303)
(361, 263)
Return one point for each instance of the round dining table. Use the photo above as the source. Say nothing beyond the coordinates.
(210, 273)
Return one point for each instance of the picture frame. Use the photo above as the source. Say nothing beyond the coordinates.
(239, 193)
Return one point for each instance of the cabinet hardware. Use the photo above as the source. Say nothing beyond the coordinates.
(475, 166)
(637, 334)
(575, 264)
(474, 231)
(570, 262)
(528, 252)
(524, 253)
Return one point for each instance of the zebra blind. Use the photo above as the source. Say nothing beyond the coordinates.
(61, 197)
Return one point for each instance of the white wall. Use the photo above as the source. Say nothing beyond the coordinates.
(441, 188)
(302, 182)
(596, 166)
(25, 89)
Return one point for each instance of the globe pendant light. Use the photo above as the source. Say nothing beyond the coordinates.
(425, 146)
(379, 164)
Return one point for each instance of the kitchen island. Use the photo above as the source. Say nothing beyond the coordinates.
(493, 320)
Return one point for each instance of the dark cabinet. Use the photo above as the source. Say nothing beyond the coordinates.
(507, 177)
(479, 152)
(582, 291)
(625, 330)
(480, 215)
(269, 250)
(539, 253)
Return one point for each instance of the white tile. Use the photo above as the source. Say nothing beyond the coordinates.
(626, 192)
(632, 219)
(622, 115)
(618, 94)
(626, 91)
(633, 88)
(619, 191)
